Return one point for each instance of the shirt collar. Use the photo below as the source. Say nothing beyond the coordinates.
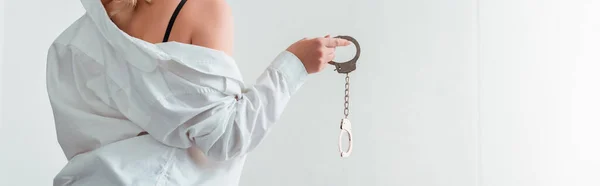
(135, 52)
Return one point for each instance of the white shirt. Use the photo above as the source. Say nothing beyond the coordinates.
(105, 87)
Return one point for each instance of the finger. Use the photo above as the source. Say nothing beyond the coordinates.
(328, 51)
(330, 57)
(336, 42)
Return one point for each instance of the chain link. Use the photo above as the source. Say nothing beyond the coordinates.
(347, 96)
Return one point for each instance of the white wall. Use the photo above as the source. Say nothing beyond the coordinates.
(413, 95)
(540, 92)
(1, 56)
(30, 153)
(464, 92)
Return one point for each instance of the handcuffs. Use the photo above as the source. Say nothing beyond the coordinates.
(346, 68)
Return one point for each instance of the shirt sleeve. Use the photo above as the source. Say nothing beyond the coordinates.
(221, 124)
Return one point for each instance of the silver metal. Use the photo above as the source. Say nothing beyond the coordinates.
(347, 97)
(346, 127)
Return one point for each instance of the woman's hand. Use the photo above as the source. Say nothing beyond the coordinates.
(316, 53)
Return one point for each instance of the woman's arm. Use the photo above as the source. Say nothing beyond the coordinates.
(221, 125)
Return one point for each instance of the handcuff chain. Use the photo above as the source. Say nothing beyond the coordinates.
(347, 96)
(345, 124)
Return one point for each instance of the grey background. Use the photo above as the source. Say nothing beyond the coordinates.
(447, 93)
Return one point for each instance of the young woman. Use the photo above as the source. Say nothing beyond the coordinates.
(146, 93)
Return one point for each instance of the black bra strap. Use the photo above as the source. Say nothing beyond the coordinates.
(172, 21)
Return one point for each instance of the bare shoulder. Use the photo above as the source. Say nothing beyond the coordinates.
(216, 8)
(212, 24)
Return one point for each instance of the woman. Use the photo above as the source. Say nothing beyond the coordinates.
(146, 93)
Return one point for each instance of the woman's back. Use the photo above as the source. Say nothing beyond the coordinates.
(105, 87)
(199, 22)
(148, 21)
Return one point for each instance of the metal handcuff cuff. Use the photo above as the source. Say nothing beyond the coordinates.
(346, 68)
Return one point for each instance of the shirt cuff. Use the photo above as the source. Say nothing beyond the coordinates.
(293, 70)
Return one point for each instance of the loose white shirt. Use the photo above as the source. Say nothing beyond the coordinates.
(105, 87)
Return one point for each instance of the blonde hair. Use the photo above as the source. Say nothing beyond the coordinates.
(117, 6)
